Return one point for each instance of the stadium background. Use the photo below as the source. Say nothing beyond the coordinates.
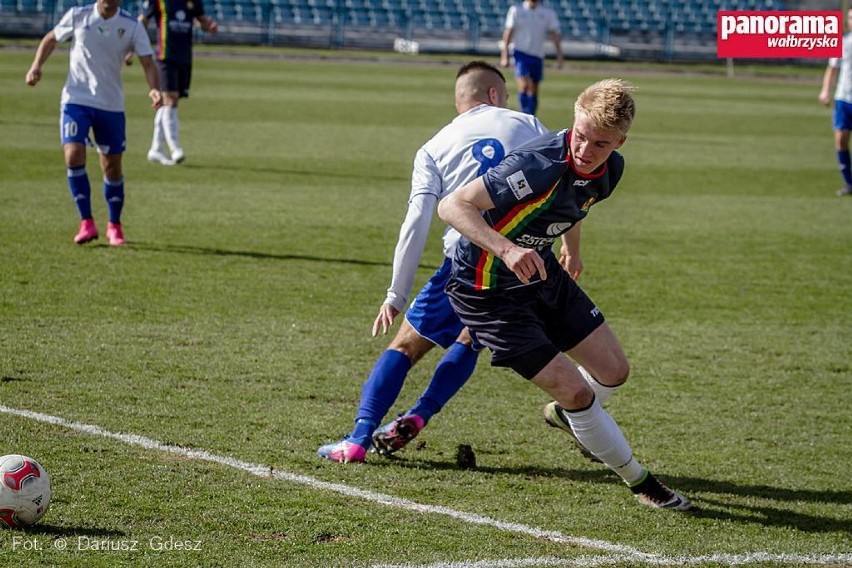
(666, 30)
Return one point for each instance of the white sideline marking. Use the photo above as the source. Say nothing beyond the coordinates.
(593, 561)
(390, 500)
(622, 554)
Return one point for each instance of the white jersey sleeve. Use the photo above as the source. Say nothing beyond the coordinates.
(426, 184)
(843, 90)
(65, 28)
(460, 152)
(141, 42)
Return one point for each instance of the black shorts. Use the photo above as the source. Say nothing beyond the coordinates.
(534, 322)
(175, 77)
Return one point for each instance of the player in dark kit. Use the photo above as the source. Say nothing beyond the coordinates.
(175, 20)
(523, 303)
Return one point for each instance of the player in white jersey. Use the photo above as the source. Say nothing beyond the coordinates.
(527, 26)
(93, 99)
(476, 140)
(842, 105)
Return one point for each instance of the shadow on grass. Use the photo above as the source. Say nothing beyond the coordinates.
(187, 249)
(64, 532)
(710, 507)
(313, 174)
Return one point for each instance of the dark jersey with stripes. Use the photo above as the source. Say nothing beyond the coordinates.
(175, 20)
(538, 196)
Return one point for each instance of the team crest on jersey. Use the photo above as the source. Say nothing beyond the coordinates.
(190, 5)
(180, 15)
(519, 185)
(588, 204)
(120, 33)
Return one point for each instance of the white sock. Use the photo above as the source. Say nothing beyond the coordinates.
(602, 392)
(599, 433)
(171, 127)
(159, 138)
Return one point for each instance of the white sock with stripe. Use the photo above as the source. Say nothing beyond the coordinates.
(599, 433)
(171, 127)
(158, 141)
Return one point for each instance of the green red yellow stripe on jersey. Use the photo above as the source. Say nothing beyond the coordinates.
(509, 226)
(163, 29)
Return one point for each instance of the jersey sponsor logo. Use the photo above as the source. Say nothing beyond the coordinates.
(582, 182)
(529, 241)
(180, 15)
(556, 229)
(519, 185)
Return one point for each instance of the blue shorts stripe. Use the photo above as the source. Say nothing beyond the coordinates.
(431, 314)
(842, 115)
(528, 66)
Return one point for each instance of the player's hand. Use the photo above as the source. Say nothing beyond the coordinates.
(573, 265)
(33, 76)
(156, 98)
(384, 320)
(824, 98)
(525, 263)
(128, 58)
(504, 61)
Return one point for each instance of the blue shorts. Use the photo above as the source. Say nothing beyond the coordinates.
(108, 127)
(842, 115)
(528, 66)
(431, 314)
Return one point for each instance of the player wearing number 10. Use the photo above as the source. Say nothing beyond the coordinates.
(476, 140)
(93, 99)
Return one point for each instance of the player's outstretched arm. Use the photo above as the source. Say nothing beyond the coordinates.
(208, 24)
(557, 43)
(827, 80)
(45, 48)
(153, 79)
(508, 34)
(384, 320)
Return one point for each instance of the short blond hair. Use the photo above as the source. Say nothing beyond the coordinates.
(608, 104)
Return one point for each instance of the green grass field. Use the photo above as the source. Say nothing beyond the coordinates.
(236, 322)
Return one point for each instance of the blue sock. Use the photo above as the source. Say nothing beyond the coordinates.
(533, 103)
(452, 373)
(81, 191)
(524, 101)
(114, 195)
(379, 393)
(845, 164)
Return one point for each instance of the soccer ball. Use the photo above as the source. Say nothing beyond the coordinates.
(24, 491)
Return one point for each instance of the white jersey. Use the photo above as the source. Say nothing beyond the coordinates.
(843, 92)
(531, 27)
(464, 149)
(97, 55)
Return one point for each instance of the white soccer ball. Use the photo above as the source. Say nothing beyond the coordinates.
(24, 491)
